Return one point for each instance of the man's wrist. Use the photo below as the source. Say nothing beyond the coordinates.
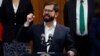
(26, 24)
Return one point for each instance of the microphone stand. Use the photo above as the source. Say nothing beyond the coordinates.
(48, 43)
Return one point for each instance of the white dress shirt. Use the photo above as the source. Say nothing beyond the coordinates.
(1, 2)
(85, 5)
(15, 8)
(49, 30)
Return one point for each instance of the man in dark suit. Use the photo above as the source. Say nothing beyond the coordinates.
(95, 31)
(80, 13)
(40, 33)
(13, 15)
(95, 36)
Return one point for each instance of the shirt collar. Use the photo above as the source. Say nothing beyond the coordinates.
(53, 25)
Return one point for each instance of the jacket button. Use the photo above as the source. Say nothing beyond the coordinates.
(15, 15)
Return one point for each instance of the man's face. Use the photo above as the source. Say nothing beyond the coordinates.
(48, 13)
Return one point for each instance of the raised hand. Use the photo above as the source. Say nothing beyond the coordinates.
(30, 18)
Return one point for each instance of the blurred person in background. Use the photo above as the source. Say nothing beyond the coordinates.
(80, 13)
(95, 31)
(13, 15)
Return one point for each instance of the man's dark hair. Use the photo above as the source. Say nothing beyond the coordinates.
(55, 8)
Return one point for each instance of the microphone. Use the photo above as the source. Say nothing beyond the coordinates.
(43, 42)
(50, 39)
(43, 39)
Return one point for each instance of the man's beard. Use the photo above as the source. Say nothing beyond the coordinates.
(48, 19)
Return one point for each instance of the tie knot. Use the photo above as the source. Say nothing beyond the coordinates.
(81, 1)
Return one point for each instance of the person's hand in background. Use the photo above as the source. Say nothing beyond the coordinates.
(30, 18)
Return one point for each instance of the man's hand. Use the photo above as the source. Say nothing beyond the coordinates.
(71, 53)
(29, 19)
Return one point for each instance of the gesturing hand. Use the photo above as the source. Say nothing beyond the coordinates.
(30, 18)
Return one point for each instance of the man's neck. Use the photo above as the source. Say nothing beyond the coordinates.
(16, 2)
(49, 24)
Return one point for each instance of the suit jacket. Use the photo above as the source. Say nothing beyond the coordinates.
(13, 21)
(72, 14)
(61, 38)
(65, 12)
(95, 35)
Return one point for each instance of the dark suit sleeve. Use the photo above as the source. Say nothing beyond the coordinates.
(69, 42)
(25, 34)
(93, 33)
(30, 7)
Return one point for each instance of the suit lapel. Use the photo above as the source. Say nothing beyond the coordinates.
(91, 5)
(56, 33)
(10, 6)
(19, 6)
(74, 20)
(42, 29)
(20, 3)
(72, 14)
(89, 9)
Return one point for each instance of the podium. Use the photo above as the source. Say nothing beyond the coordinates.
(45, 54)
